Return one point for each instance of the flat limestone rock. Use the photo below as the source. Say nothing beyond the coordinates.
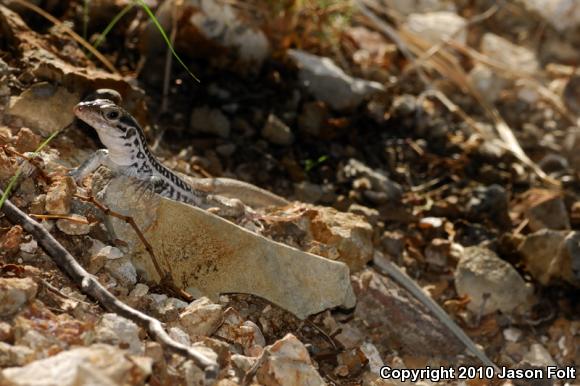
(44, 108)
(208, 256)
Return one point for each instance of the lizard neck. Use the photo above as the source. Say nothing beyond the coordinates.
(129, 151)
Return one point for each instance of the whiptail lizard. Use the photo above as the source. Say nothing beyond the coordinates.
(127, 153)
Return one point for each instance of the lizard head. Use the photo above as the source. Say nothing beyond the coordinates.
(116, 127)
(103, 115)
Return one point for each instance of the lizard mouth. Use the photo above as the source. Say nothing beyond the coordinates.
(88, 115)
(82, 111)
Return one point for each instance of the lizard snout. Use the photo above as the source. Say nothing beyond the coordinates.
(78, 109)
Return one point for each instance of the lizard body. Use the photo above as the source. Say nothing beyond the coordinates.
(127, 153)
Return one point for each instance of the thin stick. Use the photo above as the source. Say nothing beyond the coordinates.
(323, 333)
(129, 220)
(58, 292)
(90, 286)
(163, 276)
(59, 217)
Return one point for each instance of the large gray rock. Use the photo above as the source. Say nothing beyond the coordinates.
(207, 255)
(491, 283)
(330, 84)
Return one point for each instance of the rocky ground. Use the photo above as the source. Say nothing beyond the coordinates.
(440, 136)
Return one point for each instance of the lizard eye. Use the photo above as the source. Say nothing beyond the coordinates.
(112, 115)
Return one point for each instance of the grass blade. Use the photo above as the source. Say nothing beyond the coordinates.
(164, 35)
(9, 188)
(113, 22)
(85, 18)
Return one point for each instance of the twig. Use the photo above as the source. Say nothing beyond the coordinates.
(129, 220)
(323, 333)
(58, 292)
(90, 286)
(521, 227)
(78, 220)
(426, 185)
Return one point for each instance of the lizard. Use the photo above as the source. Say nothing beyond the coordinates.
(128, 153)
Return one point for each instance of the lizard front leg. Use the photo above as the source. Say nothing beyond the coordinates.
(98, 158)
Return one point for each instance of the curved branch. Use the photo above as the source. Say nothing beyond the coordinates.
(90, 286)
